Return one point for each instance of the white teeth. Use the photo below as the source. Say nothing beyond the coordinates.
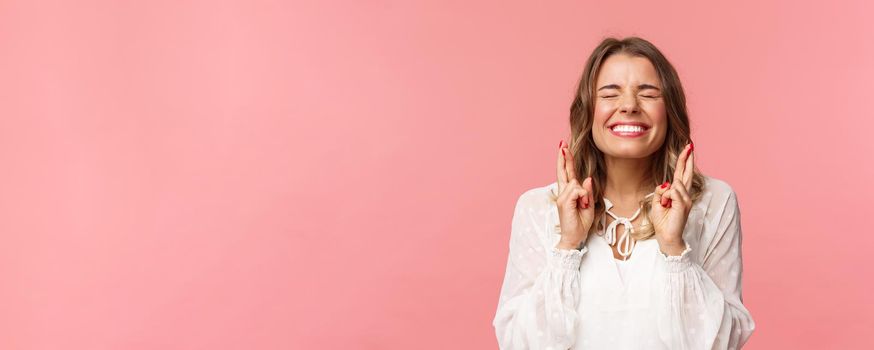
(627, 128)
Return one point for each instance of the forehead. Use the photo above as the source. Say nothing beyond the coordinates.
(622, 68)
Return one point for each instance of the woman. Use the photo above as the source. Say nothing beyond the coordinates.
(631, 247)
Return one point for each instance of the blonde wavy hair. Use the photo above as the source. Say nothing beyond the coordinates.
(589, 160)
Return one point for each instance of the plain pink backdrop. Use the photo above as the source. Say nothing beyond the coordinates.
(342, 175)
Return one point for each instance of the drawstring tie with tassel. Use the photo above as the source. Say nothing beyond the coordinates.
(625, 244)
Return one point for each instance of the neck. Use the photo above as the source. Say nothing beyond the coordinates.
(628, 179)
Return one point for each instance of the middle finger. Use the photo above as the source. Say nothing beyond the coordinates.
(569, 164)
(690, 170)
(679, 170)
(682, 193)
(560, 172)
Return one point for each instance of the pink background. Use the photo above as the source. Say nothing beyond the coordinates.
(268, 175)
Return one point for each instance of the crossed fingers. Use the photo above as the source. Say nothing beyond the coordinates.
(565, 170)
(567, 176)
(683, 173)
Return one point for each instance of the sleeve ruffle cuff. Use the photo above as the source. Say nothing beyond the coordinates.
(678, 263)
(567, 258)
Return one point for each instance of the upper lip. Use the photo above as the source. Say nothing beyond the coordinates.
(645, 126)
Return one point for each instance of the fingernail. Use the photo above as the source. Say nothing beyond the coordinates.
(665, 184)
(562, 152)
(560, 142)
(691, 146)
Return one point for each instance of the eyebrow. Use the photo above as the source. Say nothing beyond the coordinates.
(639, 87)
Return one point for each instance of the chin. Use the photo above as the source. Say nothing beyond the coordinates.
(632, 152)
(633, 155)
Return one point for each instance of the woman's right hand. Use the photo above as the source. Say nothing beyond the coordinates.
(576, 212)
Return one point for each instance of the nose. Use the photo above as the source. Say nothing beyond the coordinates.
(628, 104)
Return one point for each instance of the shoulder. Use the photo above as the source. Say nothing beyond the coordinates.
(537, 198)
(719, 204)
(719, 221)
(719, 192)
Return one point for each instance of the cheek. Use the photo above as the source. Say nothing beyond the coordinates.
(603, 111)
(657, 113)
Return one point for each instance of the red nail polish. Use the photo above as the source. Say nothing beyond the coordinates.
(560, 142)
(562, 152)
(691, 146)
(665, 184)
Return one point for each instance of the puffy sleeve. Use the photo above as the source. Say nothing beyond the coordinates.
(541, 288)
(700, 304)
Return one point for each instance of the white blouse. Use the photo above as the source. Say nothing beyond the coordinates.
(586, 299)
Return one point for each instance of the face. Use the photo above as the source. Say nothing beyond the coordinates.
(630, 119)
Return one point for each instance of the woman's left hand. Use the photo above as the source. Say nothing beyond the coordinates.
(671, 205)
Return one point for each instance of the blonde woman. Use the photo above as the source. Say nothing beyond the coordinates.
(631, 247)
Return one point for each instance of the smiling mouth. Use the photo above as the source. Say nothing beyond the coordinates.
(624, 130)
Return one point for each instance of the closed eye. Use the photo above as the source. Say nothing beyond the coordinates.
(612, 96)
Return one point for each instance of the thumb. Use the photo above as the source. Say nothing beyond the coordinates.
(587, 185)
(659, 193)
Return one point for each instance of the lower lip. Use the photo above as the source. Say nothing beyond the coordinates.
(629, 134)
